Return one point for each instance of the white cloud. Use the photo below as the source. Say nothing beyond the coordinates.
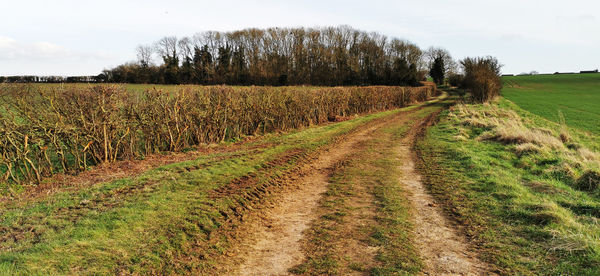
(11, 49)
(46, 58)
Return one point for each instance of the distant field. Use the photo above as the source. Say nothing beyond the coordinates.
(576, 96)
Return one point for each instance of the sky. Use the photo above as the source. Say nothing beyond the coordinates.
(64, 37)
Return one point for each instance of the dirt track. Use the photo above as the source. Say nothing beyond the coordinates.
(275, 246)
(443, 250)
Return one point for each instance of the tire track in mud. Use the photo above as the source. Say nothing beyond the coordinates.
(28, 229)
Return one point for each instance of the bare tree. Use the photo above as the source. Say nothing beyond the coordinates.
(482, 77)
(185, 47)
(166, 47)
(433, 53)
(144, 55)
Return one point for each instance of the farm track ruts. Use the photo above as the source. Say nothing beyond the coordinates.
(252, 194)
(273, 245)
(121, 169)
(101, 202)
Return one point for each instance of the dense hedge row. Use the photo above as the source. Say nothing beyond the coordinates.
(46, 130)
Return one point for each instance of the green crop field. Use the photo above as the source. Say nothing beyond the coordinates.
(576, 96)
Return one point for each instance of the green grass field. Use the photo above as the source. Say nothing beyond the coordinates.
(576, 96)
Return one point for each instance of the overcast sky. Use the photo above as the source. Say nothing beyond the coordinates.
(64, 37)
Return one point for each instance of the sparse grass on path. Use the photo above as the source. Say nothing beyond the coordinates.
(509, 179)
(576, 96)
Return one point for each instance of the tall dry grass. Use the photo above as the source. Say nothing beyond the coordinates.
(49, 130)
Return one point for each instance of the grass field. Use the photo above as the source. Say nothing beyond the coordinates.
(576, 96)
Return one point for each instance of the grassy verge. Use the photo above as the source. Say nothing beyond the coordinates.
(511, 178)
(173, 219)
(365, 217)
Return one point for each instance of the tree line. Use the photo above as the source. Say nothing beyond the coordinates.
(328, 56)
(331, 56)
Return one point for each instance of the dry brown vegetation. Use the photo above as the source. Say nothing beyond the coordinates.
(508, 127)
(47, 130)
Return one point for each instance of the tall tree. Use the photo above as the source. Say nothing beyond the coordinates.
(437, 70)
(186, 71)
(167, 49)
(238, 67)
(223, 64)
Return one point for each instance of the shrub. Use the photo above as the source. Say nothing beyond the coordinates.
(456, 80)
(482, 77)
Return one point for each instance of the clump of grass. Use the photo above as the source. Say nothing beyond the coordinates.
(514, 132)
(543, 130)
(564, 135)
(506, 126)
(563, 171)
(589, 181)
(588, 155)
(525, 148)
(463, 135)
